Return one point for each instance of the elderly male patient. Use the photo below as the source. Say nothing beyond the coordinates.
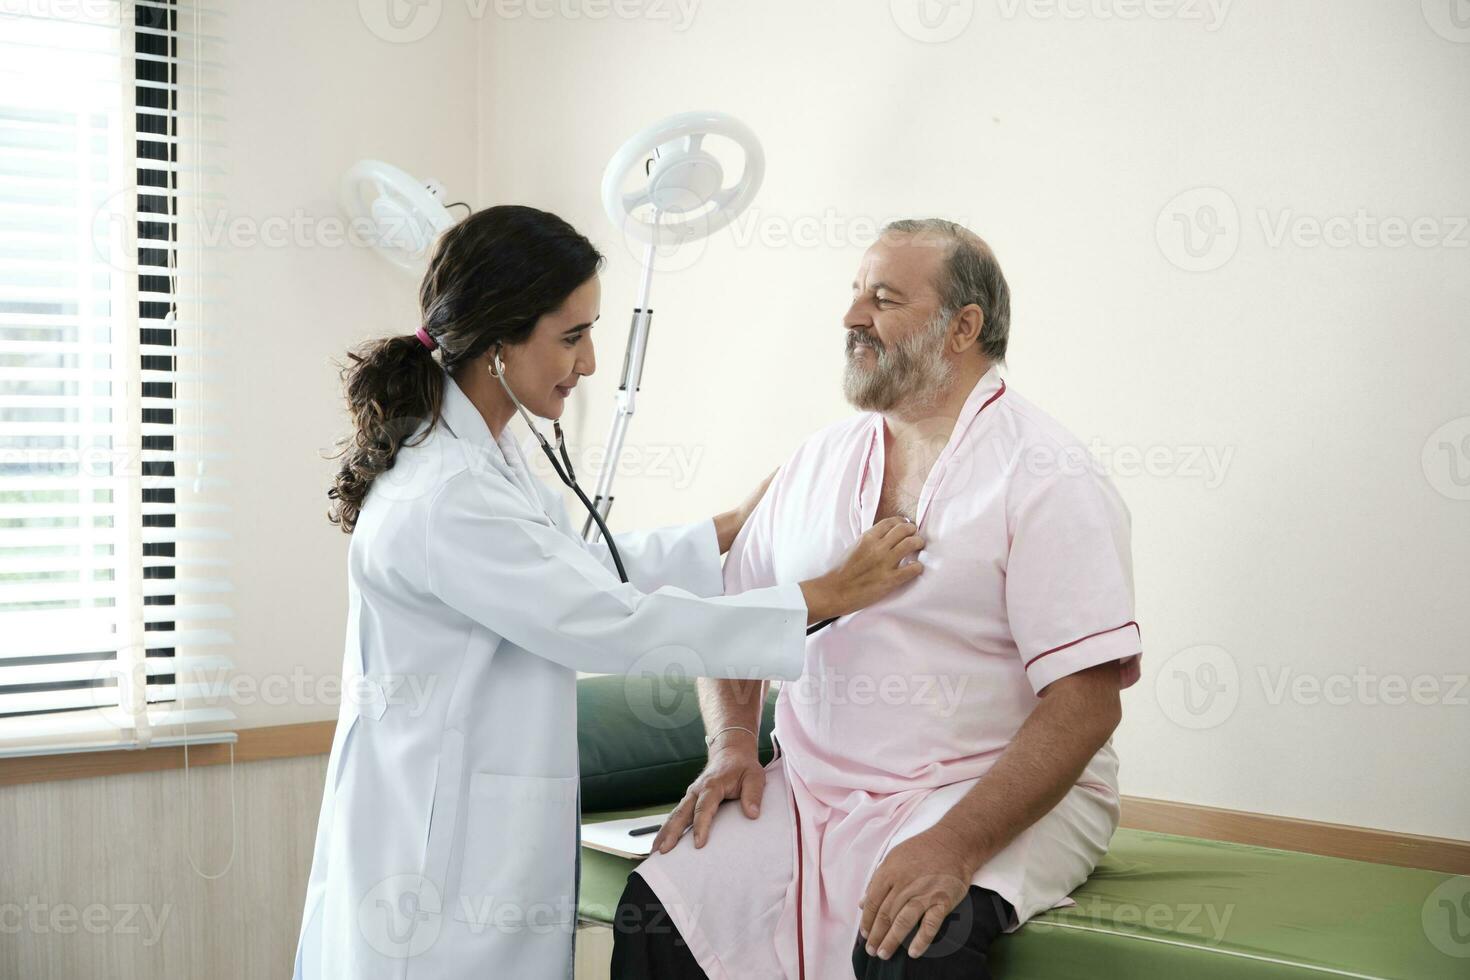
(943, 769)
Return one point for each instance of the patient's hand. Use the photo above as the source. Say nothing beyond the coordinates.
(733, 772)
(920, 882)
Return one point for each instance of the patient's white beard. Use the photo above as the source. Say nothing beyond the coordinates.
(910, 376)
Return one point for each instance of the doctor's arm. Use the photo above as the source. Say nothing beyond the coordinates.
(493, 559)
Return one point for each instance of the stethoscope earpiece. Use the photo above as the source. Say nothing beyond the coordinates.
(568, 476)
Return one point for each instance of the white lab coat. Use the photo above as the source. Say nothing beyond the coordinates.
(447, 842)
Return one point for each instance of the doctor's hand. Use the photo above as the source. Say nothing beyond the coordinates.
(728, 524)
(734, 772)
(919, 883)
(874, 568)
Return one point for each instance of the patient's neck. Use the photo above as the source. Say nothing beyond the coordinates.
(916, 420)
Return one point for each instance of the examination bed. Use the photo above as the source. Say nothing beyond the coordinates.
(1158, 905)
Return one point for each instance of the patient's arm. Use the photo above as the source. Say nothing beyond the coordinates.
(1077, 715)
(733, 770)
(926, 876)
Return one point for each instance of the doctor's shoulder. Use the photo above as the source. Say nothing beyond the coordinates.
(466, 492)
(426, 457)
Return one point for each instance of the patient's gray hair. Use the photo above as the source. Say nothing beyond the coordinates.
(971, 275)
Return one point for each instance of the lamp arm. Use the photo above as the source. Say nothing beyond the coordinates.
(632, 379)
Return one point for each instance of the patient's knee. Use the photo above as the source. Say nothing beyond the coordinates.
(960, 948)
(646, 943)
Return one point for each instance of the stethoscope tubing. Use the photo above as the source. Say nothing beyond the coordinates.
(569, 477)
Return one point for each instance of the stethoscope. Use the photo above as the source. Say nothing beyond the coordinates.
(569, 476)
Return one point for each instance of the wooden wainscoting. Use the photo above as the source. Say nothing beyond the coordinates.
(254, 745)
(1164, 816)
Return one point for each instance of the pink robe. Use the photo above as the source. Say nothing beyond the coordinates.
(904, 705)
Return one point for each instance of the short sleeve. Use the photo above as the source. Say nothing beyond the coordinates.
(748, 565)
(1069, 580)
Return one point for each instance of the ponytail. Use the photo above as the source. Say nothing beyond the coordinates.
(491, 277)
(393, 386)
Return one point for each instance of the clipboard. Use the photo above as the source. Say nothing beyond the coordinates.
(612, 837)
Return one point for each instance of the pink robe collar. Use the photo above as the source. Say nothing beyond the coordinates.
(990, 387)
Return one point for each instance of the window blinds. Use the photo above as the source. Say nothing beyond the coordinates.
(113, 582)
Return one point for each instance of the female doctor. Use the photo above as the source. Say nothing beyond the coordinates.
(447, 842)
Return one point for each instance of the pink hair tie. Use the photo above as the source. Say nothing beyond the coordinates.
(425, 339)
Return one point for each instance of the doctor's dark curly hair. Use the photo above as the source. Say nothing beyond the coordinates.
(491, 277)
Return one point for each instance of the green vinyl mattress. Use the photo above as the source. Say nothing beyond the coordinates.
(1165, 906)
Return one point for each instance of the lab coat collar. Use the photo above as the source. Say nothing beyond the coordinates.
(464, 421)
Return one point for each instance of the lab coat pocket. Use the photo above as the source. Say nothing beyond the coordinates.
(519, 871)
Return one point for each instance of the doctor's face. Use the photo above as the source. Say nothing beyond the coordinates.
(543, 369)
(897, 335)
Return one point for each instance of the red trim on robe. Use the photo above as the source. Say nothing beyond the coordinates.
(800, 939)
(1079, 640)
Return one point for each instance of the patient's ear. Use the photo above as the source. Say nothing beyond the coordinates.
(966, 327)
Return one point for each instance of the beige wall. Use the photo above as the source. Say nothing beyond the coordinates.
(1316, 375)
(1317, 545)
(311, 91)
(1288, 533)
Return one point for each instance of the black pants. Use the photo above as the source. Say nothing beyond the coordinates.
(647, 945)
